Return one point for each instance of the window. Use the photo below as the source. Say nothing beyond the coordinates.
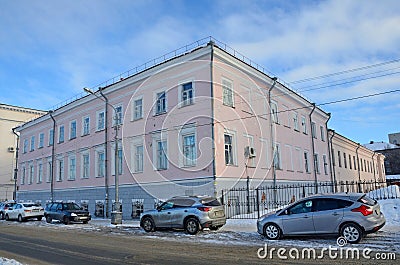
(40, 172)
(321, 128)
(316, 163)
(274, 112)
(31, 173)
(85, 125)
(355, 163)
(61, 134)
(339, 159)
(72, 130)
(228, 149)
(350, 161)
(361, 165)
(100, 164)
(72, 168)
(306, 162)
(138, 165)
(302, 207)
(162, 161)
(313, 130)
(277, 156)
(85, 165)
(100, 120)
(137, 109)
(227, 93)
(60, 169)
(23, 175)
(161, 103)
(304, 124)
(330, 204)
(41, 140)
(32, 143)
(344, 160)
(49, 171)
(325, 164)
(25, 145)
(187, 94)
(295, 121)
(189, 150)
(118, 115)
(51, 137)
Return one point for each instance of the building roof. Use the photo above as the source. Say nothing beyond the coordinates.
(375, 146)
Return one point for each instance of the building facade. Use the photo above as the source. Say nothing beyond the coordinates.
(352, 162)
(10, 117)
(197, 123)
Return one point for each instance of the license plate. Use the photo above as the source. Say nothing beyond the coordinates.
(219, 213)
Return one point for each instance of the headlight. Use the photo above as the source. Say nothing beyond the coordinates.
(73, 215)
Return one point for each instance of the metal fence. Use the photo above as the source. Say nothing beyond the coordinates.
(243, 203)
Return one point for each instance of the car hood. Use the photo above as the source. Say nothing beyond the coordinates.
(268, 215)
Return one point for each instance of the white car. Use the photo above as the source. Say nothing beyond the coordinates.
(24, 211)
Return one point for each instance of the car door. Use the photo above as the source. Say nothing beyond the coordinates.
(179, 211)
(13, 214)
(162, 217)
(327, 215)
(298, 219)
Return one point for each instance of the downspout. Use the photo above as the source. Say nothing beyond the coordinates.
(332, 163)
(211, 43)
(271, 123)
(16, 166)
(329, 153)
(106, 154)
(373, 166)
(52, 157)
(313, 149)
(358, 163)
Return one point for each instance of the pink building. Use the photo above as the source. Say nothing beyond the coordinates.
(197, 122)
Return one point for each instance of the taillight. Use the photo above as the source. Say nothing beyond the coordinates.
(365, 210)
(27, 211)
(204, 209)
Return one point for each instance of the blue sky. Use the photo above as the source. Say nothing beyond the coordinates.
(50, 50)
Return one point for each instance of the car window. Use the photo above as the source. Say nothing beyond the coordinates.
(178, 203)
(167, 205)
(71, 207)
(54, 207)
(210, 202)
(367, 200)
(302, 207)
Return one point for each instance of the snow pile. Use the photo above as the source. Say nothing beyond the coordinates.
(391, 209)
(4, 261)
(389, 192)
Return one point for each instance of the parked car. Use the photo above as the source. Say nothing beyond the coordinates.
(66, 212)
(192, 213)
(3, 207)
(24, 211)
(349, 215)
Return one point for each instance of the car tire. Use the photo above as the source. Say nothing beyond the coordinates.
(1, 216)
(66, 220)
(7, 217)
(148, 224)
(20, 218)
(352, 233)
(39, 218)
(84, 222)
(272, 231)
(48, 219)
(215, 228)
(192, 226)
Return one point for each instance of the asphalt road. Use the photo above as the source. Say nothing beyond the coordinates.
(44, 245)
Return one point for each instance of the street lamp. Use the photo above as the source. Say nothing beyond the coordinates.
(116, 214)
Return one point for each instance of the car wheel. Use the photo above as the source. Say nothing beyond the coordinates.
(48, 219)
(214, 228)
(39, 218)
(1, 216)
(66, 220)
(148, 224)
(20, 219)
(272, 231)
(84, 222)
(352, 233)
(7, 217)
(192, 226)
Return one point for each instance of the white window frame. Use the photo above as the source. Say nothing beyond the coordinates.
(51, 137)
(233, 149)
(99, 172)
(41, 140)
(158, 102)
(23, 175)
(188, 131)
(39, 176)
(72, 129)
(249, 142)
(85, 125)
(137, 159)
(72, 167)
(61, 134)
(306, 160)
(314, 130)
(32, 144)
(290, 162)
(325, 161)
(98, 113)
(60, 169)
(31, 173)
(274, 112)
(184, 99)
(119, 114)
(304, 124)
(277, 156)
(300, 156)
(120, 159)
(316, 163)
(85, 167)
(296, 121)
(228, 94)
(135, 109)
(49, 170)
(157, 138)
(26, 144)
(321, 128)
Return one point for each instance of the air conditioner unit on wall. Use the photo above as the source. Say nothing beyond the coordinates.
(249, 152)
(11, 149)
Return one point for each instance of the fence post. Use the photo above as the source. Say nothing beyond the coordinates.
(258, 203)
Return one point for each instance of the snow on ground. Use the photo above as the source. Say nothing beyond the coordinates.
(242, 232)
(4, 261)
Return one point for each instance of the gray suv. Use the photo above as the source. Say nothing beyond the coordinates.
(192, 213)
(350, 215)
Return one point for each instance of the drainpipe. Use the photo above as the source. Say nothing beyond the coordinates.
(358, 165)
(373, 166)
(16, 166)
(332, 163)
(106, 153)
(52, 157)
(211, 43)
(272, 138)
(313, 149)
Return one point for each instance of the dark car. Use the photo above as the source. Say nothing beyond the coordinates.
(3, 207)
(66, 212)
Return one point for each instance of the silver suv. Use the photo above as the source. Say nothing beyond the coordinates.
(348, 215)
(192, 213)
